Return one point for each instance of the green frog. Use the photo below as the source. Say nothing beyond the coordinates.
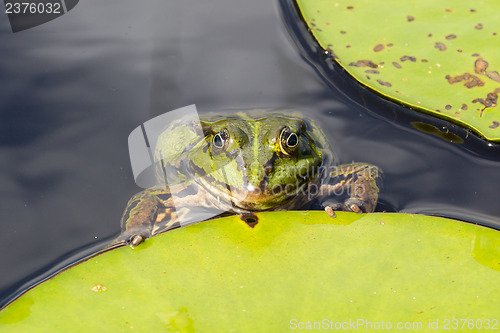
(243, 163)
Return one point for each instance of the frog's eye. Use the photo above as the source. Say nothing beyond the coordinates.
(221, 139)
(289, 141)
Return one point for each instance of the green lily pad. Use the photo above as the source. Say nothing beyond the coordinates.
(439, 57)
(289, 268)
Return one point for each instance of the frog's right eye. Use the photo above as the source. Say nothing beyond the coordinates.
(221, 139)
(288, 141)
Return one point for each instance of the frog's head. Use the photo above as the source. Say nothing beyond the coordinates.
(260, 163)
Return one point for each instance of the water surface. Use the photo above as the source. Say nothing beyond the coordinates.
(74, 88)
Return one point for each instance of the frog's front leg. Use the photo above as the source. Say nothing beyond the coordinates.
(153, 211)
(359, 181)
(141, 213)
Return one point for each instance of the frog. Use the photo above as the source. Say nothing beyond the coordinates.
(242, 163)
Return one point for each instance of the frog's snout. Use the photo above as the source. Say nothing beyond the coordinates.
(254, 191)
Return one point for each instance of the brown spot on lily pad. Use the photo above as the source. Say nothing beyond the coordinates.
(343, 32)
(383, 83)
(404, 58)
(390, 45)
(397, 65)
(475, 54)
(471, 80)
(490, 100)
(424, 60)
(480, 66)
(440, 46)
(451, 37)
(364, 63)
(493, 75)
(478, 26)
(495, 124)
(378, 48)
(410, 18)
(472, 10)
(448, 107)
(372, 71)
(429, 35)
(350, 7)
(464, 107)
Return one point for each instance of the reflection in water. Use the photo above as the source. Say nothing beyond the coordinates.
(445, 134)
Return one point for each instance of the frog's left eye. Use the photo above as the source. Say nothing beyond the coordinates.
(289, 141)
(221, 139)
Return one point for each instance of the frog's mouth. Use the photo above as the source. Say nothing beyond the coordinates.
(260, 198)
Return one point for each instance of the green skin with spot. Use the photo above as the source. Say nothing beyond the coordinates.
(243, 163)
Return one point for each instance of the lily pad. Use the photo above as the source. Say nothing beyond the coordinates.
(439, 57)
(283, 270)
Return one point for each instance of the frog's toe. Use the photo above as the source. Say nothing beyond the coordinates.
(330, 208)
(355, 208)
(136, 240)
(354, 205)
(330, 211)
(132, 237)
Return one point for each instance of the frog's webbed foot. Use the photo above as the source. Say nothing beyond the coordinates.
(359, 182)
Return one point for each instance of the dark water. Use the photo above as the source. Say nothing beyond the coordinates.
(74, 88)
